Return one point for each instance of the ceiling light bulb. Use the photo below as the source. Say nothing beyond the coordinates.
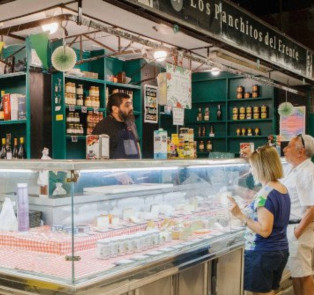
(160, 55)
(215, 71)
(51, 28)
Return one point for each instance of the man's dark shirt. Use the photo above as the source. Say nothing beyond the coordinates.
(119, 134)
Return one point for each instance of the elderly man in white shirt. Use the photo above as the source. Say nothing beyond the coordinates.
(299, 179)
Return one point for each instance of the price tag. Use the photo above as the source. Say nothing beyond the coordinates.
(74, 138)
(84, 109)
(95, 111)
(71, 108)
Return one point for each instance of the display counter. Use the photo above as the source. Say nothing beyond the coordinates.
(124, 227)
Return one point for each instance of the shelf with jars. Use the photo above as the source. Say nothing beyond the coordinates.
(241, 100)
(79, 102)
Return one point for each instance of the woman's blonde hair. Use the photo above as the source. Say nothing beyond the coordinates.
(266, 162)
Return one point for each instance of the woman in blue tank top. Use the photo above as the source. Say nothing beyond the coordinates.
(266, 219)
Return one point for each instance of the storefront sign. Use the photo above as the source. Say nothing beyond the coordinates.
(179, 83)
(230, 24)
(150, 104)
(292, 125)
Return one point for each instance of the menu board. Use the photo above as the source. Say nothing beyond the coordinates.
(178, 87)
(292, 125)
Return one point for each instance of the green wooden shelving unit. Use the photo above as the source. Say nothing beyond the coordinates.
(18, 82)
(208, 91)
(66, 146)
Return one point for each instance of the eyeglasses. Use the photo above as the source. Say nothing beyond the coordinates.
(302, 139)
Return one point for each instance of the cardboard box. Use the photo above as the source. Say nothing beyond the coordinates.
(160, 144)
(92, 147)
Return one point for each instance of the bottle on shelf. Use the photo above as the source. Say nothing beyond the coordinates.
(209, 146)
(204, 131)
(21, 151)
(206, 114)
(3, 151)
(9, 148)
(199, 115)
(15, 149)
(201, 146)
(219, 113)
(212, 131)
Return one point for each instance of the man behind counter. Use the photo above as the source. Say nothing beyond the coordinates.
(120, 126)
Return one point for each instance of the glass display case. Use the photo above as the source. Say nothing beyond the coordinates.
(99, 224)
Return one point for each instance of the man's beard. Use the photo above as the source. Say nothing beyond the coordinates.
(127, 118)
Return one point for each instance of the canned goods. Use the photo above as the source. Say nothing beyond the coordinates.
(235, 110)
(256, 109)
(248, 109)
(256, 116)
(263, 115)
(249, 116)
(263, 108)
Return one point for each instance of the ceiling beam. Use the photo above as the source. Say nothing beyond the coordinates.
(99, 43)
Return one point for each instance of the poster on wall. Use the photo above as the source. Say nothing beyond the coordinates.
(150, 104)
(178, 116)
(293, 124)
(178, 87)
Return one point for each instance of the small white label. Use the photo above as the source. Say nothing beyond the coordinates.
(84, 110)
(74, 138)
(96, 111)
(71, 108)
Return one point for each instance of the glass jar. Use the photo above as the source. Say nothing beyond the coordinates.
(209, 146)
(80, 101)
(240, 89)
(256, 109)
(70, 117)
(235, 116)
(243, 131)
(238, 131)
(239, 95)
(235, 110)
(201, 146)
(68, 87)
(249, 131)
(88, 102)
(255, 88)
(249, 109)
(242, 110)
(254, 94)
(79, 89)
(248, 116)
(247, 95)
(257, 131)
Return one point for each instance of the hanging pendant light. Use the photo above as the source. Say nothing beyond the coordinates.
(285, 108)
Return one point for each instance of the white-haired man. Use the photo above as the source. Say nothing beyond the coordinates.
(299, 179)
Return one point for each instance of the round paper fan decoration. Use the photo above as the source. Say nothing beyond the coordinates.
(63, 58)
(285, 108)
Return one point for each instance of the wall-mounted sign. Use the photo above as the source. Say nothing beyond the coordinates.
(292, 125)
(179, 83)
(236, 27)
(150, 104)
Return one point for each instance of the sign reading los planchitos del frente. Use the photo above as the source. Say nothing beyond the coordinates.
(230, 24)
